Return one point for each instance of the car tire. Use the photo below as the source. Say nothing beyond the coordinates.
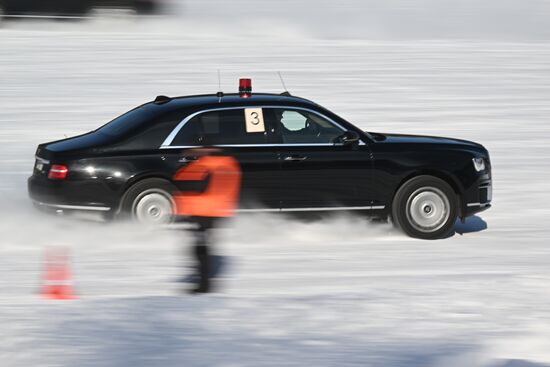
(149, 202)
(425, 207)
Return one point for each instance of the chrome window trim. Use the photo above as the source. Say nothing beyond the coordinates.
(176, 130)
(249, 145)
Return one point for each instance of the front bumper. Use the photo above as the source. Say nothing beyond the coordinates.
(479, 197)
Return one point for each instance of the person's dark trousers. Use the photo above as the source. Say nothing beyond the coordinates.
(202, 252)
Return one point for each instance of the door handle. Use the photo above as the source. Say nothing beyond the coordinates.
(187, 159)
(294, 158)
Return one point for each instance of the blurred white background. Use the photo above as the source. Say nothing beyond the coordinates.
(338, 292)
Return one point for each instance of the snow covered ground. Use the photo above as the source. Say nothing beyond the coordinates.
(339, 292)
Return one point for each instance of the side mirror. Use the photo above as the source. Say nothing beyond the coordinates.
(348, 138)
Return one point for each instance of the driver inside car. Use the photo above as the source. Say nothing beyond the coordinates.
(310, 127)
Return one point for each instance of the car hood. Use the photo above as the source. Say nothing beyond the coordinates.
(425, 140)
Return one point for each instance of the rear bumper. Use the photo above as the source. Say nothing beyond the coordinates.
(63, 195)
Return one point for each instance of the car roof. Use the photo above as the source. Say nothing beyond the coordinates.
(229, 100)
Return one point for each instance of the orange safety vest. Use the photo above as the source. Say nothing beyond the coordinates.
(220, 197)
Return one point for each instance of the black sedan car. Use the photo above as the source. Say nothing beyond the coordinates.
(296, 156)
(60, 8)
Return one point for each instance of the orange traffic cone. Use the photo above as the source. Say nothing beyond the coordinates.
(57, 276)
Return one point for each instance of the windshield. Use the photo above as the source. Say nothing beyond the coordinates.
(129, 121)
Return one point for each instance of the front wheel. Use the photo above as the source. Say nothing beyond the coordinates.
(425, 207)
(149, 202)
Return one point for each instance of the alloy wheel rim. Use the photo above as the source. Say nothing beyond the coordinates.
(153, 207)
(428, 209)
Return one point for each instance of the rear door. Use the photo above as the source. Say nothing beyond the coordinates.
(316, 173)
(241, 133)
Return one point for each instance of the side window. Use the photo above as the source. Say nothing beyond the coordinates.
(154, 134)
(297, 126)
(293, 121)
(218, 128)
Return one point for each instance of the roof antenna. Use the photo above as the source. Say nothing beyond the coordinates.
(285, 93)
(220, 93)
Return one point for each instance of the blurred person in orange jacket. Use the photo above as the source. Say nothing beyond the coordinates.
(221, 176)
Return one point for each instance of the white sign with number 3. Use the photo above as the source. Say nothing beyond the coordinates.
(254, 120)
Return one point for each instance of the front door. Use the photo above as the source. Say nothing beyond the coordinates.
(317, 173)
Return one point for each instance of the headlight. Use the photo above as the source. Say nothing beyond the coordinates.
(479, 164)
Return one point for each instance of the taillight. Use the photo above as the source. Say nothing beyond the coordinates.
(58, 172)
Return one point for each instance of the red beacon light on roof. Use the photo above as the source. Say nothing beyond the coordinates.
(245, 88)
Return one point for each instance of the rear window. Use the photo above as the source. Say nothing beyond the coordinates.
(153, 133)
(130, 121)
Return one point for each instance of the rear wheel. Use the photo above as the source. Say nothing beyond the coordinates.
(425, 207)
(149, 202)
